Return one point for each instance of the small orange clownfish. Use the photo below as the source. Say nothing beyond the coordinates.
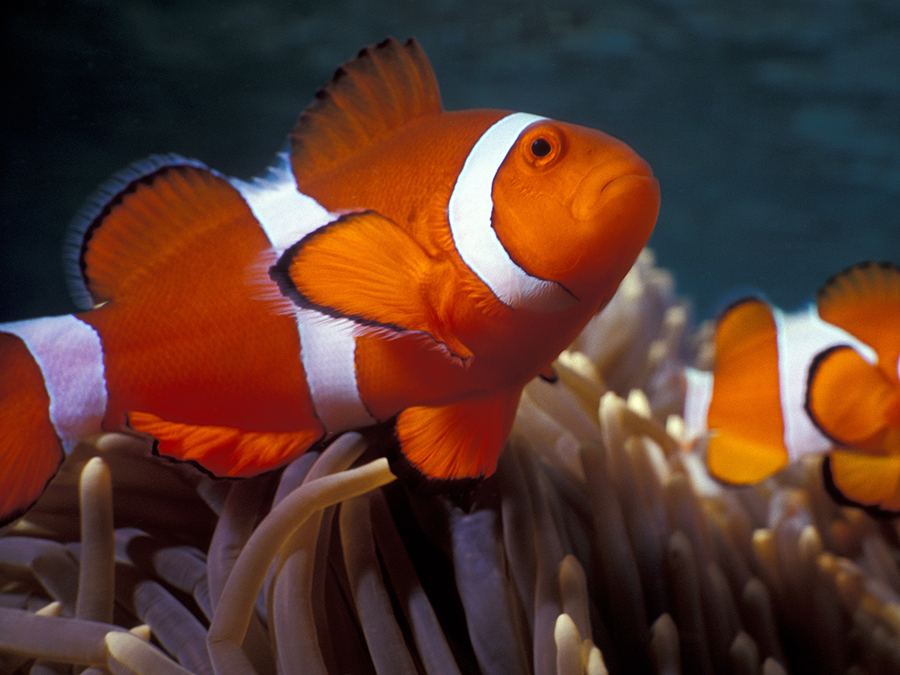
(821, 381)
(399, 263)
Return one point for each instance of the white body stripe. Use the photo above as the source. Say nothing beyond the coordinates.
(801, 337)
(70, 356)
(698, 396)
(327, 344)
(328, 347)
(285, 214)
(470, 209)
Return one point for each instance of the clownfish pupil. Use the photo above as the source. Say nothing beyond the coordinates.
(540, 147)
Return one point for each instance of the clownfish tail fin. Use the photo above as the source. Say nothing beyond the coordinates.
(30, 451)
(52, 394)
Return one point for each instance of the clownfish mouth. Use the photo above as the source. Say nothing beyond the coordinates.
(608, 181)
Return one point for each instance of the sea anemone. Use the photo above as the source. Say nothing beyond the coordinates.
(600, 545)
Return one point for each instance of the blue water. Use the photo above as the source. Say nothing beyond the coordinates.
(774, 127)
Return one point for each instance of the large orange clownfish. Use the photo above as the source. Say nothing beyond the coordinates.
(821, 381)
(400, 262)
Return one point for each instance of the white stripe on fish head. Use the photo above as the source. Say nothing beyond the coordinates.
(470, 211)
(801, 337)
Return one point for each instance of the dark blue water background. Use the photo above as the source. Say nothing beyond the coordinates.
(774, 127)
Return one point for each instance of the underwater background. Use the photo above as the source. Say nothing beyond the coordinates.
(774, 128)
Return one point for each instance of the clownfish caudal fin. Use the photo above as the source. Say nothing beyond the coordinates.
(378, 91)
(364, 267)
(745, 416)
(52, 394)
(460, 440)
(869, 481)
(30, 451)
(864, 300)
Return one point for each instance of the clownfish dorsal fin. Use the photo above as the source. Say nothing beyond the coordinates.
(138, 222)
(364, 267)
(384, 87)
(864, 300)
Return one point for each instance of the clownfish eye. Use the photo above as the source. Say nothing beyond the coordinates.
(541, 147)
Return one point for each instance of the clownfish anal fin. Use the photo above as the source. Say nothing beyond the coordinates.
(224, 451)
(459, 440)
(848, 398)
(868, 481)
(30, 451)
(364, 267)
(384, 87)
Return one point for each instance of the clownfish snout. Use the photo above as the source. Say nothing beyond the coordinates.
(616, 203)
(621, 174)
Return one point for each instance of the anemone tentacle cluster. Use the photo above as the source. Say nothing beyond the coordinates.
(600, 545)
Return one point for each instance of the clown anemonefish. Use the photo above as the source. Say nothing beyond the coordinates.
(400, 263)
(825, 380)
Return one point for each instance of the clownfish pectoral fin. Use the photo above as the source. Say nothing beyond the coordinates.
(364, 267)
(30, 451)
(864, 300)
(224, 451)
(382, 88)
(459, 440)
(865, 480)
(745, 414)
(850, 400)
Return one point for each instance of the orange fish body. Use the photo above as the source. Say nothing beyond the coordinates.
(401, 261)
(823, 381)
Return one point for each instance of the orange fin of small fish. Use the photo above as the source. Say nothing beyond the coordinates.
(864, 300)
(142, 220)
(869, 481)
(742, 460)
(850, 400)
(364, 267)
(747, 442)
(223, 451)
(381, 89)
(28, 440)
(460, 440)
